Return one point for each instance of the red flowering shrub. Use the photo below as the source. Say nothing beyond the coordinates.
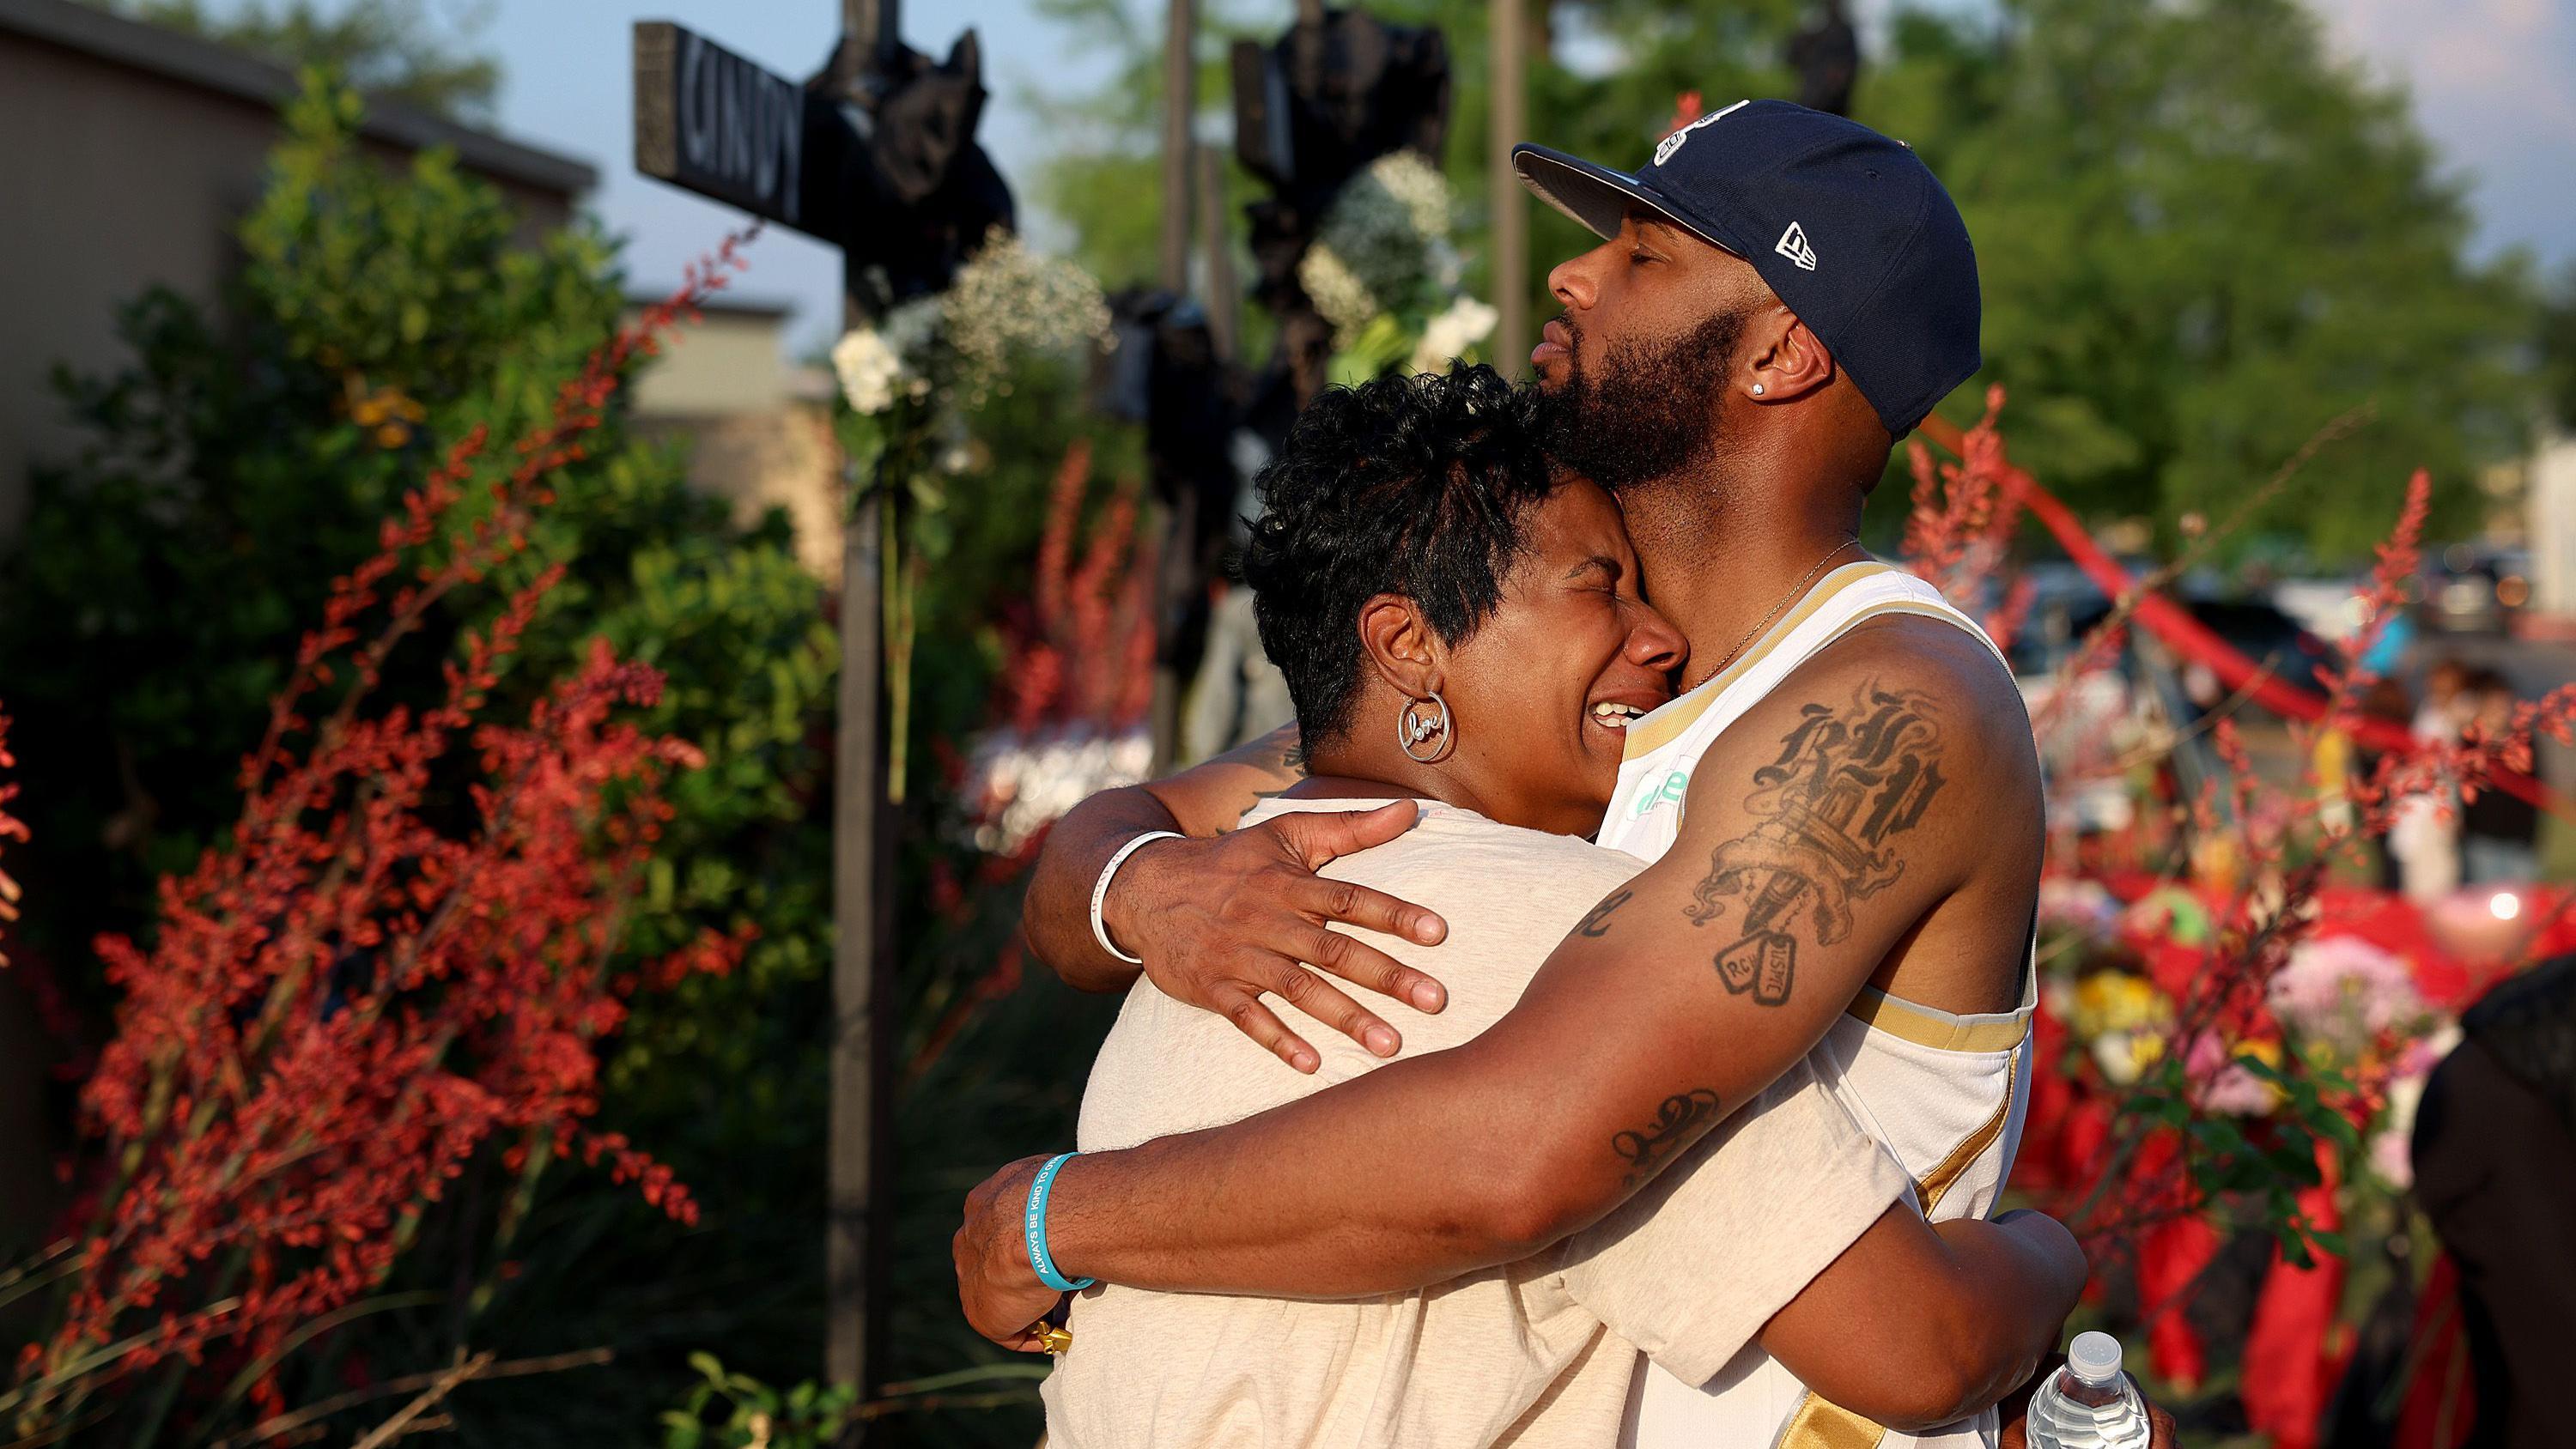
(402, 959)
(2222, 1028)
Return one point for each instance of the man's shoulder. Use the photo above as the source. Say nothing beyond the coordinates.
(1897, 704)
(1892, 663)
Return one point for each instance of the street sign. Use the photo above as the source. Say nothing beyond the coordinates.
(876, 156)
(711, 122)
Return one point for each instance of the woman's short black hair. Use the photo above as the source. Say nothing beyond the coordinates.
(1406, 485)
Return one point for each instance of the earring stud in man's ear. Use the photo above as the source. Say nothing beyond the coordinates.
(1757, 389)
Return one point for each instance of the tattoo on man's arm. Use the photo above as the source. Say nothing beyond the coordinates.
(1847, 781)
(1596, 922)
(1677, 1124)
(1290, 759)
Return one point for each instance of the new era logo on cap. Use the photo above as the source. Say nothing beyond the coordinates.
(1899, 308)
(1793, 245)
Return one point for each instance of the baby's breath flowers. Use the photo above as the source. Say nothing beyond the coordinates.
(1011, 301)
(1006, 303)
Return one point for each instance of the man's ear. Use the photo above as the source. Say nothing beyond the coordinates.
(1783, 360)
(1401, 645)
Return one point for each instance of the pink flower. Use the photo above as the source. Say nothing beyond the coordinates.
(2345, 990)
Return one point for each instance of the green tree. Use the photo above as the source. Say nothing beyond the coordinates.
(2201, 240)
(401, 49)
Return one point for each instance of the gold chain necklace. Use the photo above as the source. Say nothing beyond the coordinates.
(1796, 592)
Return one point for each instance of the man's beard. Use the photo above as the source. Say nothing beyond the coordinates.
(1651, 413)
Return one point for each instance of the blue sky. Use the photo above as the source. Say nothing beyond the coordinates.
(2494, 83)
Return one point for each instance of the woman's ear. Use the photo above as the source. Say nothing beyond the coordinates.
(1401, 646)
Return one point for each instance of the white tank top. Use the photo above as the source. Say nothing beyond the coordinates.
(1944, 1093)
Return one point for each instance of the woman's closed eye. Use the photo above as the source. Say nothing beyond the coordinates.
(1596, 575)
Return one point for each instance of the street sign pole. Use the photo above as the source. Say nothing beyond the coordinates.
(712, 122)
(858, 1216)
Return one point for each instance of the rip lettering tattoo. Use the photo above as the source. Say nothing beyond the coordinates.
(1847, 781)
(1596, 922)
(1677, 1124)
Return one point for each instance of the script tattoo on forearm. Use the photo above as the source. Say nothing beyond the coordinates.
(1677, 1124)
(1284, 750)
(1596, 922)
(1848, 780)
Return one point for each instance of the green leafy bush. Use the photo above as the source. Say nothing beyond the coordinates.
(757, 1416)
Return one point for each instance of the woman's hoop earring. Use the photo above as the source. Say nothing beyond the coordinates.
(1411, 729)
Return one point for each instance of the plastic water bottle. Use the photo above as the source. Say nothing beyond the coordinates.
(2090, 1404)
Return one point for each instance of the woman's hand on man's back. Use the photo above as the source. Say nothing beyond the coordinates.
(1219, 922)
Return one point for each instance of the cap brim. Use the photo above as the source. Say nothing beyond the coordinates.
(1598, 198)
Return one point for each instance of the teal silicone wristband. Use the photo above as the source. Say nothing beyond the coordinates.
(1035, 1224)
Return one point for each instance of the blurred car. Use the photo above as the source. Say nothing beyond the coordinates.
(2265, 633)
(2330, 608)
(2473, 589)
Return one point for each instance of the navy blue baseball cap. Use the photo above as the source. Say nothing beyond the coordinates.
(1848, 228)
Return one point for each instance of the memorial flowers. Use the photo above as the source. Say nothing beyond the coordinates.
(1007, 302)
(913, 380)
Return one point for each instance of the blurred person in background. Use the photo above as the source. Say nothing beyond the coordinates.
(2499, 830)
(1239, 696)
(2425, 835)
(2495, 1170)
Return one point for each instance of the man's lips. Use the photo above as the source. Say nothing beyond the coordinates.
(1554, 341)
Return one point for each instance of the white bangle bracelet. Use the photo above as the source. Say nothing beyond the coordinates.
(1100, 891)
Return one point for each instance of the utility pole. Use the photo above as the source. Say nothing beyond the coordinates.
(1224, 298)
(1175, 518)
(1180, 108)
(1508, 114)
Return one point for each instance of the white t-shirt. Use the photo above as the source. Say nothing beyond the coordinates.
(1531, 1354)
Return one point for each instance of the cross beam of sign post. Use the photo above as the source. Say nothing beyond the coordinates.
(875, 155)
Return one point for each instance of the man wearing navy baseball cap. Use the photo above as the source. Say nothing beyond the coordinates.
(1839, 816)
(1774, 278)
(1779, 295)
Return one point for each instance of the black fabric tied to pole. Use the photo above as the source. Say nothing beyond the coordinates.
(917, 194)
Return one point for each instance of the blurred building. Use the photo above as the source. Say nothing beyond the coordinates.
(2552, 523)
(758, 431)
(128, 153)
